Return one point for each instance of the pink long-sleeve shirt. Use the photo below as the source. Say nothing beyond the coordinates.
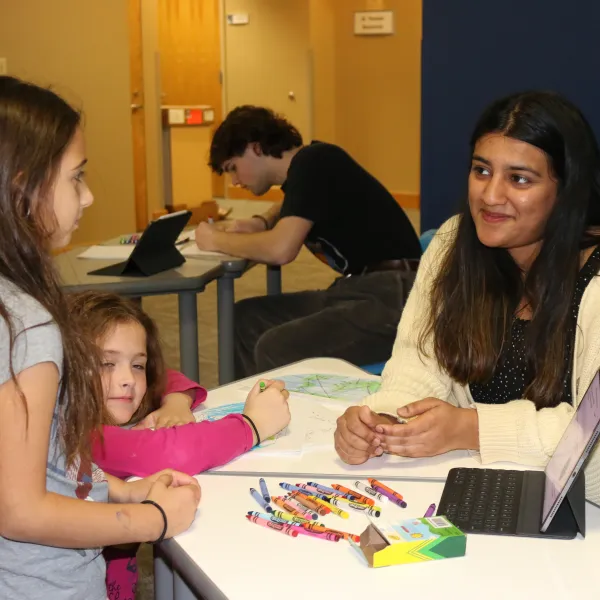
(191, 448)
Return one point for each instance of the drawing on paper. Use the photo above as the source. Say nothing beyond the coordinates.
(218, 412)
(331, 387)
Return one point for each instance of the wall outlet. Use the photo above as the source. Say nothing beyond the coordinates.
(3, 66)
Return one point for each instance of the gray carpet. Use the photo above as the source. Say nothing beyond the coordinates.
(305, 273)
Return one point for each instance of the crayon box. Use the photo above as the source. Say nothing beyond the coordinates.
(412, 540)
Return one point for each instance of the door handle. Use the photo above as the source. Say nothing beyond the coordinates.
(135, 107)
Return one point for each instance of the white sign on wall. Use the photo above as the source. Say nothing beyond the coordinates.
(374, 22)
(238, 19)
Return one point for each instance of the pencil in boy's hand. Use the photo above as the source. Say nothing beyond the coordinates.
(262, 386)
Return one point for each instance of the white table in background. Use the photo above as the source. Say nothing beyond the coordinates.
(188, 280)
(223, 556)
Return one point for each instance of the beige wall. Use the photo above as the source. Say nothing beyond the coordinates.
(366, 91)
(81, 48)
(269, 57)
(378, 93)
(152, 103)
(323, 56)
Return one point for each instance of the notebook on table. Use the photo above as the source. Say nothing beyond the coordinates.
(548, 503)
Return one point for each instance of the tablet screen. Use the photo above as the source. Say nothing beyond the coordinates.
(572, 450)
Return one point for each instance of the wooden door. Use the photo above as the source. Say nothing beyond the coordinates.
(137, 113)
(190, 52)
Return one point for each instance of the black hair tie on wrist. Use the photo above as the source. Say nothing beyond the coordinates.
(263, 220)
(164, 516)
(253, 427)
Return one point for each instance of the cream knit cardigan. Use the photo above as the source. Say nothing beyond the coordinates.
(514, 431)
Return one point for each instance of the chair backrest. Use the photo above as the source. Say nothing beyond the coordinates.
(426, 237)
(375, 368)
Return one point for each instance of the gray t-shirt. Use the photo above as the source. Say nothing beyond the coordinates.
(31, 571)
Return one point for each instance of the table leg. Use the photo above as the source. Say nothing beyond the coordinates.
(181, 590)
(225, 318)
(188, 336)
(273, 280)
(163, 578)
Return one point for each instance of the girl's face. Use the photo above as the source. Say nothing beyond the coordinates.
(124, 370)
(511, 195)
(71, 193)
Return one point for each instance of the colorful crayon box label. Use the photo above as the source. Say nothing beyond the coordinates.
(412, 540)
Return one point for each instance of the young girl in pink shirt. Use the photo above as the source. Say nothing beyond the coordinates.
(148, 421)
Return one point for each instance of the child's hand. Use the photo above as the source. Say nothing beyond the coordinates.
(269, 410)
(174, 411)
(178, 495)
(136, 491)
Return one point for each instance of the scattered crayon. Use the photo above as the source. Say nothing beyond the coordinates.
(286, 507)
(305, 512)
(272, 517)
(292, 488)
(371, 491)
(286, 529)
(358, 497)
(395, 497)
(264, 490)
(310, 504)
(334, 509)
(373, 511)
(325, 535)
(290, 518)
(131, 239)
(323, 528)
(318, 495)
(326, 490)
(430, 511)
(307, 488)
(260, 500)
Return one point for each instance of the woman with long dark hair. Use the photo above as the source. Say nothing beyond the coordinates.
(500, 337)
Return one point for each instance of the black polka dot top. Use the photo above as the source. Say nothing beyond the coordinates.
(513, 374)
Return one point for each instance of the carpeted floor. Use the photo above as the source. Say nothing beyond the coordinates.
(305, 273)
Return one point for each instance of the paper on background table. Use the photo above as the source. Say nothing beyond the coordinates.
(192, 251)
(121, 252)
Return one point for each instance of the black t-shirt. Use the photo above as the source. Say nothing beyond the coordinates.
(356, 221)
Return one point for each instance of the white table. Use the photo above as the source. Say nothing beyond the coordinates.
(326, 462)
(225, 556)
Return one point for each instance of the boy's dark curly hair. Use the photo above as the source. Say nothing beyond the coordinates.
(252, 125)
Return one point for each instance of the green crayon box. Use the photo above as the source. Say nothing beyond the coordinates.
(409, 541)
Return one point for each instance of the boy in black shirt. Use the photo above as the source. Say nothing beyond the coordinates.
(343, 215)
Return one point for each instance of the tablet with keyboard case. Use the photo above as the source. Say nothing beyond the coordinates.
(548, 503)
(155, 251)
